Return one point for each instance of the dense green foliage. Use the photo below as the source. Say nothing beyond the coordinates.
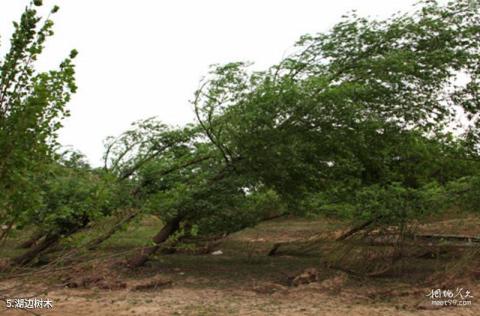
(72, 196)
(32, 105)
(347, 96)
(358, 123)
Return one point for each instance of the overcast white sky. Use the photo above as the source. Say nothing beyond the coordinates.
(145, 58)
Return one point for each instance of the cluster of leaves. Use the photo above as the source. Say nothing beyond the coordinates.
(32, 105)
(342, 105)
(358, 114)
(191, 181)
(465, 192)
(72, 196)
(397, 205)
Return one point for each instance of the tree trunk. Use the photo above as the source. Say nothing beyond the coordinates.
(36, 250)
(355, 230)
(46, 243)
(5, 232)
(32, 241)
(96, 242)
(169, 229)
(464, 238)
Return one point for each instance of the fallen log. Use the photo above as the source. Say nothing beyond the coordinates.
(355, 230)
(27, 257)
(32, 241)
(304, 245)
(437, 241)
(464, 238)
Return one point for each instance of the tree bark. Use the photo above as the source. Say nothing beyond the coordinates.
(274, 249)
(169, 229)
(5, 232)
(32, 241)
(50, 240)
(464, 238)
(36, 250)
(96, 242)
(355, 230)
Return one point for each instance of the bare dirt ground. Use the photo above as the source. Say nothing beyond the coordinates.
(244, 281)
(254, 299)
(308, 300)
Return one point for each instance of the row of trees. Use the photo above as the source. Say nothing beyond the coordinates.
(359, 123)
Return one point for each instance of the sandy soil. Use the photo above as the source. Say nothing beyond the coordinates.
(326, 297)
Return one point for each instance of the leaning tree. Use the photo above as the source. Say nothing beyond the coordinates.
(315, 116)
(32, 105)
